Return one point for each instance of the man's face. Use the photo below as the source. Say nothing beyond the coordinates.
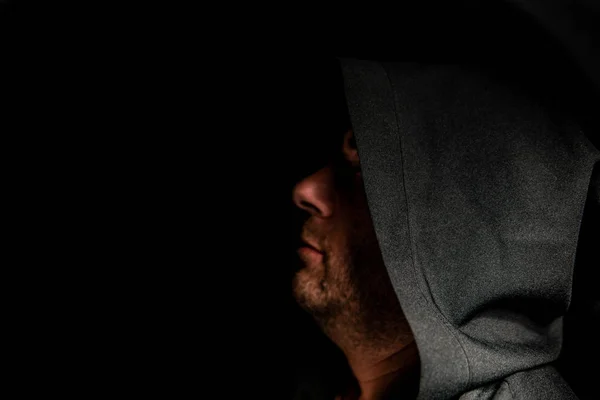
(341, 266)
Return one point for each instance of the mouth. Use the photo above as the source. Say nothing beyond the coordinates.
(307, 244)
(309, 252)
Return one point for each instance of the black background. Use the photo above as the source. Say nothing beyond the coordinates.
(163, 145)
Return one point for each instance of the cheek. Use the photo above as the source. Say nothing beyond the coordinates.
(337, 242)
(339, 260)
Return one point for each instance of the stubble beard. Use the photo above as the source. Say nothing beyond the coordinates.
(325, 291)
(351, 291)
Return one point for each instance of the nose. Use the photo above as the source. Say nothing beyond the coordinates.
(315, 193)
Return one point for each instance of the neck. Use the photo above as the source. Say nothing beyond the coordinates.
(379, 365)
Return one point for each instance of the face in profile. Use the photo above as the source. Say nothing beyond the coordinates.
(341, 271)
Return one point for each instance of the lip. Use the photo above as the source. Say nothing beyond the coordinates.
(309, 253)
(305, 243)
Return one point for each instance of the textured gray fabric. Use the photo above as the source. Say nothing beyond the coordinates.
(476, 194)
(542, 383)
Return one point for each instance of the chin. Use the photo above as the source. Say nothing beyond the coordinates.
(309, 292)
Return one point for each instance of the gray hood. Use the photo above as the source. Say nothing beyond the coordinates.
(477, 195)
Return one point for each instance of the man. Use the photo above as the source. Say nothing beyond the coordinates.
(440, 260)
(344, 284)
